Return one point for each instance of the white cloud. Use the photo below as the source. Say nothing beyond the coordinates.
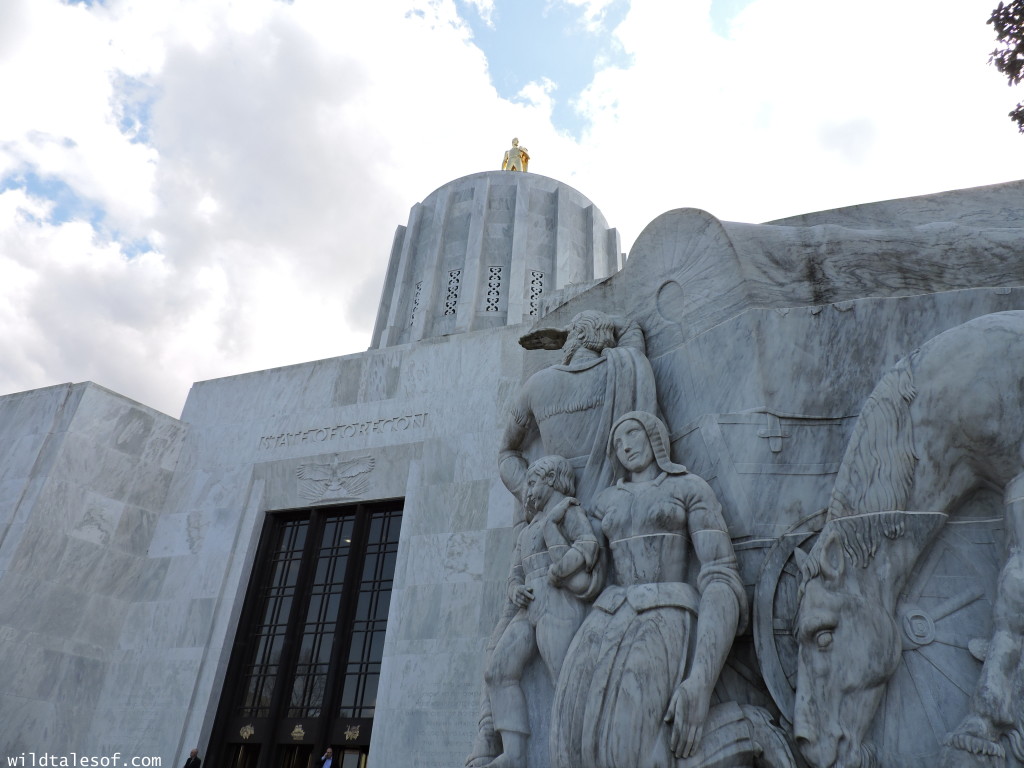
(806, 105)
(56, 91)
(284, 145)
(266, 152)
(484, 9)
(594, 12)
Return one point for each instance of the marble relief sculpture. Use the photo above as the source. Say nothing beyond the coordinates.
(636, 686)
(637, 681)
(948, 420)
(555, 570)
(568, 408)
(571, 405)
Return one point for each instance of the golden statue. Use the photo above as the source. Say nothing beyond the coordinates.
(516, 159)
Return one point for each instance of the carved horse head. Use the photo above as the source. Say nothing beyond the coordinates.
(848, 639)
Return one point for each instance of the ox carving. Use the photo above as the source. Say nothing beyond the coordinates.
(947, 421)
(629, 591)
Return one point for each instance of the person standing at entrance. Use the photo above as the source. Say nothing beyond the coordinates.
(327, 761)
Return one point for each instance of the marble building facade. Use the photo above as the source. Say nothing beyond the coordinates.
(134, 546)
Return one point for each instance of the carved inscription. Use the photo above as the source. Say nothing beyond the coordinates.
(415, 303)
(501, 204)
(345, 431)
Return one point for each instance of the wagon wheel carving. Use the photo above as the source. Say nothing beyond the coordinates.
(775, 609)
(944, 614)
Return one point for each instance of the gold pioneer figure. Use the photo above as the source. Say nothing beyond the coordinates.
(516, 159)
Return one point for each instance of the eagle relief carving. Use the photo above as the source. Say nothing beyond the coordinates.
(336, 479)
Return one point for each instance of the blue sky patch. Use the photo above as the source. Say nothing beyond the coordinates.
(68, 205)
(132, 103)
(723, 12)
(534, 39)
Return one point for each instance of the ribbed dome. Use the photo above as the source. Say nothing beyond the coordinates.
(482, 250)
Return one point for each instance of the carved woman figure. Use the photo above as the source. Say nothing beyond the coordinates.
(635, 687)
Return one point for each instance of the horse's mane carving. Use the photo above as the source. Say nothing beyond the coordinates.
(878, 468)
(860, 536)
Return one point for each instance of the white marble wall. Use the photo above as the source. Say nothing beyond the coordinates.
(83, 491)
(430, 414)
(123, 578)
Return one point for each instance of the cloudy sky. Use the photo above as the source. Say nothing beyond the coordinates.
(199, 188)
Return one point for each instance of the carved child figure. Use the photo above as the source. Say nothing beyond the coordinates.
(554, 571)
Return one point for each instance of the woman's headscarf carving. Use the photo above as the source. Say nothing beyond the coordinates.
(657, 435)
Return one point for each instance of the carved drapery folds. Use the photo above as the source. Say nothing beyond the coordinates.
(624, 581)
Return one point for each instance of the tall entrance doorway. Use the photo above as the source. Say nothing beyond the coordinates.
(305, 665)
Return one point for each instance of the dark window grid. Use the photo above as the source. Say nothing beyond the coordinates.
(267, 643)
(267, 637)
(310, 677)
(278, 608)
(378, 568)
(317, 642)
(337, 534)
(359, 691)
(269, 650)
(287, 556)
(362, 670)
(379, 562)
(322, 615)
(330, 571)
(330, 567)
(293, 535)
(258, 692)
(338, 530)
(308, 690)
(284, 571)
(373, 601)
(351, 676)
(315, 646)
(289, 548)
(266, 640)
(368, 641)
(262, 672)
(324, 604)
(385, 527)
(374, 595)
(284, 564)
